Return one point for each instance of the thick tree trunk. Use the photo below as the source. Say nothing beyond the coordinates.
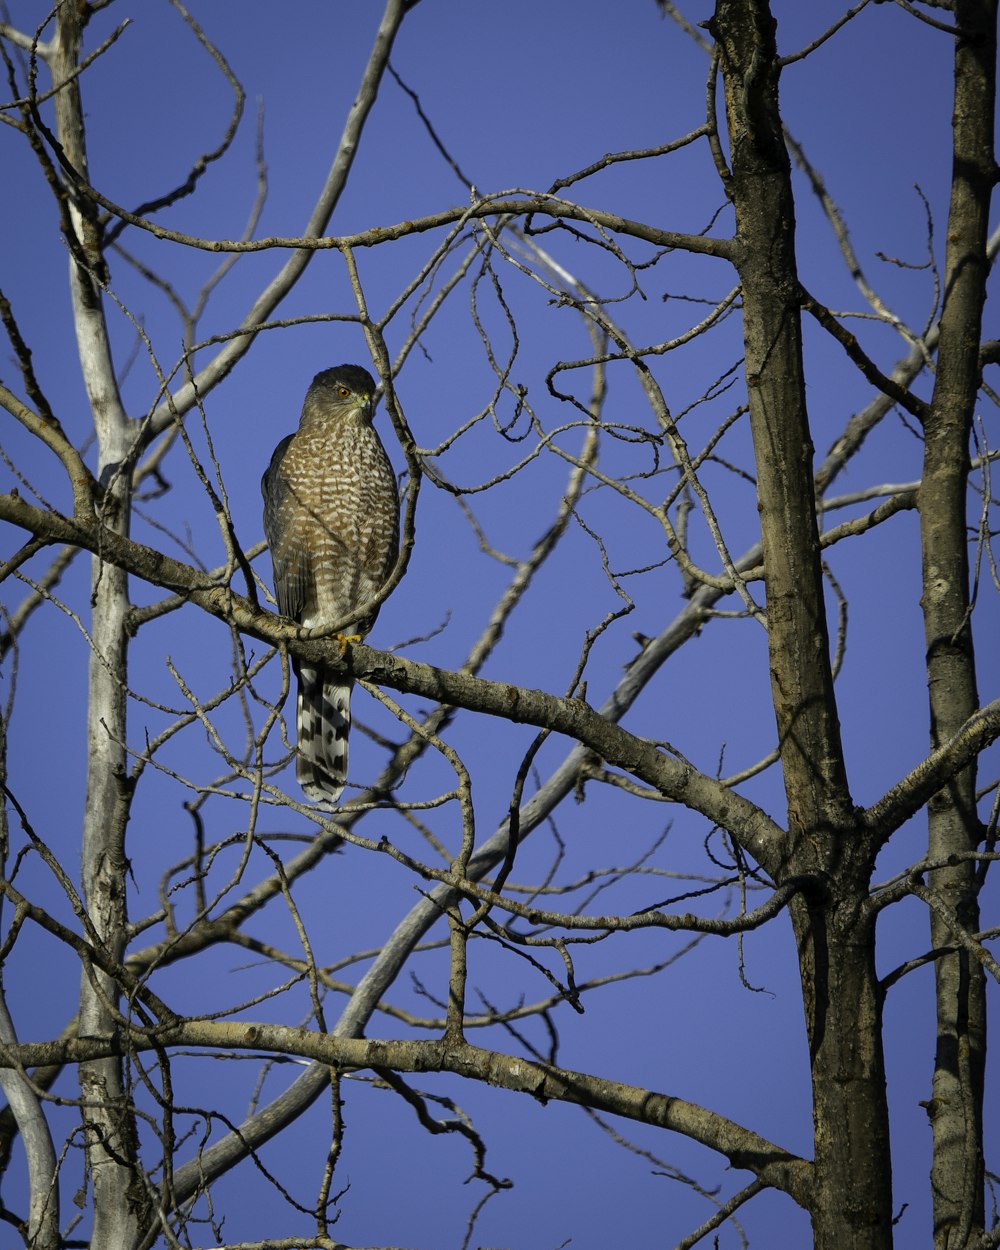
(852, 1195)
(956, 1105)
(798, 641)
(852, 1185)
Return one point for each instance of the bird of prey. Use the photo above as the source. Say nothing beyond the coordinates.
(331, 518)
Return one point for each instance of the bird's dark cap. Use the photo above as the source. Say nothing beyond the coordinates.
(358, 379)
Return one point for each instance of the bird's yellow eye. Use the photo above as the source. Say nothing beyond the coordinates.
(343, 391)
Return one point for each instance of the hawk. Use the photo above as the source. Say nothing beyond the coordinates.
(331, 518)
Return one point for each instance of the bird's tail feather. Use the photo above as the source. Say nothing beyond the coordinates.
(324, 719)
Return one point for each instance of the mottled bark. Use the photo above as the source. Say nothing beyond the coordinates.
(109, 1121)
(544, 1081)
(798, 642)
(851, 1208)
(955, 1108)
(822, 860)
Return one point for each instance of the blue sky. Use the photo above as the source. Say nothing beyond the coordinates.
(521, 94)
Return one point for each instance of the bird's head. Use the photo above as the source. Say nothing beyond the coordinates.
(345, 391)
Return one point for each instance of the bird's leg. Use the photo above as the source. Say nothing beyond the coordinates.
(345, 640)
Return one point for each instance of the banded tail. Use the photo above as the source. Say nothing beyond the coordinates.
(323, 723)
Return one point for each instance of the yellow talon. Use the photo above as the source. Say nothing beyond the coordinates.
(345, 640)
